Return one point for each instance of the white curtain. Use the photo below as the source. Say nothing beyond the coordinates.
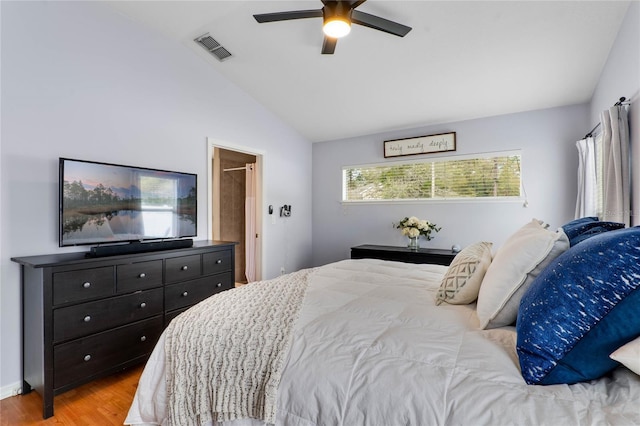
(587, 203)
(250, 223)
(615, 161)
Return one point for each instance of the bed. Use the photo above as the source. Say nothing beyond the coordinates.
(373, 342)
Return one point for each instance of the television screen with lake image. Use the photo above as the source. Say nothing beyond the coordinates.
(108, 203)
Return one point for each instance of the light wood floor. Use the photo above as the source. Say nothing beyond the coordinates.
(101, 402)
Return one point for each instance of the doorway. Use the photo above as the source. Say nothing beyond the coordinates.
(235, 200)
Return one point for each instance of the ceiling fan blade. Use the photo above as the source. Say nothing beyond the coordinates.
(329, 45)
(285, 16)
(379, 23)
(357, 3)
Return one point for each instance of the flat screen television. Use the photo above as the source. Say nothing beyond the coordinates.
(103, 203)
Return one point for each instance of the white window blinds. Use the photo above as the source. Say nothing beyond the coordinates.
(495, 175)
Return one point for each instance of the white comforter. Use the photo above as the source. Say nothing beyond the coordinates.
(372, 348)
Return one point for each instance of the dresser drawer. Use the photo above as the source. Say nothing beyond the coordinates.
(82, 358)
(191, 292)
(169, 316)
(216, 262)
(91, 317)
(138, 276)
(84, 284)
(182, 268)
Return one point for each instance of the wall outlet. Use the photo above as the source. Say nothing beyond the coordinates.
(282, 271)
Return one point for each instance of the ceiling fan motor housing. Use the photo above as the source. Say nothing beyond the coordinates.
(337, 10)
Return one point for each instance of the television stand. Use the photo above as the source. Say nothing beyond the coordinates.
(138, 247)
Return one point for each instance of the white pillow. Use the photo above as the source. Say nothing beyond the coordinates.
(514, 267)
(461, 282)
(629, 355)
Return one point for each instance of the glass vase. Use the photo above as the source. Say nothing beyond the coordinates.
(414, 243)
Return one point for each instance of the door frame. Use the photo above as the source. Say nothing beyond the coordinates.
(213, 143)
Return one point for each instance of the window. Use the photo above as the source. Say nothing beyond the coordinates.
(486, 176)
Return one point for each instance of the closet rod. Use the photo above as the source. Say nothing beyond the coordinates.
(234, 168)
(621, 101)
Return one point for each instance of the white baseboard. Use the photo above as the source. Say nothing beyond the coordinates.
(10, 390)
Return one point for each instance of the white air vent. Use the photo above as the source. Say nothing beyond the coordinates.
(213, 47)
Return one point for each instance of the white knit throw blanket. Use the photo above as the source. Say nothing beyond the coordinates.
(224, 356)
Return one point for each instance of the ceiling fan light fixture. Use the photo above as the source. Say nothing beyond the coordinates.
(337, 17)
(336, 27)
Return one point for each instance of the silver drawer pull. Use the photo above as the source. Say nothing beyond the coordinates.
(219, 285)
(143, 305)
(185, 294)
(143, 338)
(184, 268)
(87, 357)
(219, 261)
(142, 275)
(86, 285)
(87, 318)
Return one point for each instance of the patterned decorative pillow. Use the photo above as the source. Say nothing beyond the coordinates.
(578, 226)
(595, 229)
(586, 227)
(580, 309)
(461, 283)
(516, 264)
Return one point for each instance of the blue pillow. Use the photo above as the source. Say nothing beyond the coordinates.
(577, 226)
(586, 227)
(597, 228)
(581, 308)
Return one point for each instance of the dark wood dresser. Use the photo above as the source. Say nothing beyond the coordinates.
(84, 318)
(403, 254)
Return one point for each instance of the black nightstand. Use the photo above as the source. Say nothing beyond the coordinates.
(403, 254)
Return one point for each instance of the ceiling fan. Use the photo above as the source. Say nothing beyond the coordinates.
(338, 17)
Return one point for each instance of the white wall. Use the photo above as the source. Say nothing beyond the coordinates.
(549, 167)
(549, 163)
(621, 77)
(81, 81)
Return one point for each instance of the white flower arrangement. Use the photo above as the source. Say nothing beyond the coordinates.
(413, 227)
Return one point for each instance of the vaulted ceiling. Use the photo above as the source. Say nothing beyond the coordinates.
(461, 60)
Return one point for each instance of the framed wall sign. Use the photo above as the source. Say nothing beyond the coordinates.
(429, 144)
